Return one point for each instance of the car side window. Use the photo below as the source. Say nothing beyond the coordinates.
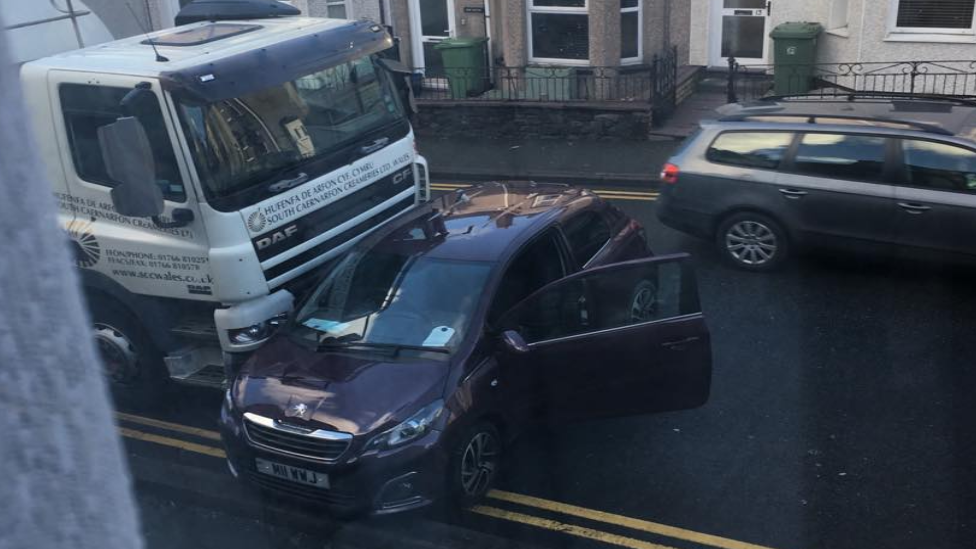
(750, 149)
(540, 263)
(626, 294)
(939, 166)
(87, 108)
(586, 233)
(841, 156)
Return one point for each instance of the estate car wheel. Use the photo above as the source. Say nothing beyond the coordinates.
(752, 241)
(130, 361)
(474, 464)
(643, 301)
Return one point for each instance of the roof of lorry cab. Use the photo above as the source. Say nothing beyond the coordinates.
(133, 56)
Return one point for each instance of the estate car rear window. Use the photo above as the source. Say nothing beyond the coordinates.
(939, 166)
(750, 149)
(841, 156)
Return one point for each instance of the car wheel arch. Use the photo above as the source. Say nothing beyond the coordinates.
(725, 215)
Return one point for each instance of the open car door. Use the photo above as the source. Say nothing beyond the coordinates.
(622, 339)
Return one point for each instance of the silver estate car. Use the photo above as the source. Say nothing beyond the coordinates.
(767, 176)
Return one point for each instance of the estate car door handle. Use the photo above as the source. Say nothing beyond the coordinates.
(679, 344)
(793, 194)
(914, 209)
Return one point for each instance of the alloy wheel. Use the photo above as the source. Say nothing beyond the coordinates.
(751, 243)
(479, 464)
(119, 358)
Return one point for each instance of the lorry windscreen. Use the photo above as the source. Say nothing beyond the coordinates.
(249, 147)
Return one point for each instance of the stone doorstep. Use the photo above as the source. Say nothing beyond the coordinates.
(217, 489)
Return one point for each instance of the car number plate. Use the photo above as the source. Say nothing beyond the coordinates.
(294, 474)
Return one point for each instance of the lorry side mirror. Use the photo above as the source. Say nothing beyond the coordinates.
(129, 162)
(403, 80)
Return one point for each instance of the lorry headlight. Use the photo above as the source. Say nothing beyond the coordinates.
(256, 332)
(413, 428)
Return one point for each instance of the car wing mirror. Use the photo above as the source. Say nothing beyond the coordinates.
(129, 162)
(515, 342)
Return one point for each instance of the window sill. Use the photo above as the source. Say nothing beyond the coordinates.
(843, 32)
(933, 38)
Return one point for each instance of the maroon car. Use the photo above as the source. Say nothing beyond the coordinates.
(423, 351)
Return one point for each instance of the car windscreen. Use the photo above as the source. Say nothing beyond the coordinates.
(389, 297)
(301, 128)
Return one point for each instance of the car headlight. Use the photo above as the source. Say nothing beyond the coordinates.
(413, 428)
(256, 332)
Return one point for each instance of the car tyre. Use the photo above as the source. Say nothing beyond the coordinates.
(752, 241)
(131, 362)
(475, 461)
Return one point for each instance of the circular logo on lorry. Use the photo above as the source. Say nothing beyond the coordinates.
(256, 221)
(84, 244)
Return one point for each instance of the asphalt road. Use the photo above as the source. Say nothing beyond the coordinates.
(841, 417)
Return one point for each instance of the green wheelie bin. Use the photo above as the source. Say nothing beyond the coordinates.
(464, 65)
(794, 53)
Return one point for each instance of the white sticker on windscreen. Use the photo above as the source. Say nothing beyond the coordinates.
(439, 337)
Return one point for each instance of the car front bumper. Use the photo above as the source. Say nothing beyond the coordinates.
(402, 479)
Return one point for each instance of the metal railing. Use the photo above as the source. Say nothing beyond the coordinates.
(951, 78)
(653, 83)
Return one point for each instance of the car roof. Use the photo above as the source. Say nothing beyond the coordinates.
(489, 222)
(928, 114)
(135, 56)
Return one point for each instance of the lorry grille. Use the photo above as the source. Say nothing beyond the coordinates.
(316, 445)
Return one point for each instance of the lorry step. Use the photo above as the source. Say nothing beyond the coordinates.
(211, 375)
(196, 330)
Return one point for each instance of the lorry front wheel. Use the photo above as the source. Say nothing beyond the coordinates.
(130, 361)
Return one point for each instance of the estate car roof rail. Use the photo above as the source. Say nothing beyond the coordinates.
(854, 95)
(813, 119)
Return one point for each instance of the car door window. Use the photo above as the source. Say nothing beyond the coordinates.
(86, 108)
(939, 166)
(586, 233)
(612, 297)
(538, 264)
(841, 156)
(750, 149)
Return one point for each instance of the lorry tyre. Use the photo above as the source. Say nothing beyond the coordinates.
(131, 362)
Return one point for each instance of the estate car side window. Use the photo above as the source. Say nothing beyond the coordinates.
(586, 233)
(606, 299)
(750, 149)
(537, 265)
(841, 156)
(939, 166)
(87, 108)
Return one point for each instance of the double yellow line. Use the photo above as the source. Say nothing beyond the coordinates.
(507, 498)
(604, 193)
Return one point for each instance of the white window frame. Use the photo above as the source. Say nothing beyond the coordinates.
(531, 8)
(894, 29)
(343, 3)
(639, 8)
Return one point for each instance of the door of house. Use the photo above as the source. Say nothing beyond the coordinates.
(741, 30)
(431, 22)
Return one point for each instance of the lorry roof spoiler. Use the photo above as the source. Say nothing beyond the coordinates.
(222, 10)
(258, 69)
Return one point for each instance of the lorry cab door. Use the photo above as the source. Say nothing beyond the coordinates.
(622, 339)
(136, 252)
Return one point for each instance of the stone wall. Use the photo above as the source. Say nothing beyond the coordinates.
(507, 120)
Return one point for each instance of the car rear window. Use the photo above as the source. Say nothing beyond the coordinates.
(750, 149)
(939, 166)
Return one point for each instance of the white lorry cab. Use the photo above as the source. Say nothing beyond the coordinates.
(204, 172)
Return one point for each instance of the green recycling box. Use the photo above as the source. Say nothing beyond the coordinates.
(794, 53)
(464, 65)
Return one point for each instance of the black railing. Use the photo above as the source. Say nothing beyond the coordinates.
(653, 83)
(951, 78)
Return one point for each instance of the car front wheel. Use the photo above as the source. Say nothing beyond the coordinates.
(475, 461)
(752, 241)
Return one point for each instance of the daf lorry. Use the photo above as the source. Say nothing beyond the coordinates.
(204, 172)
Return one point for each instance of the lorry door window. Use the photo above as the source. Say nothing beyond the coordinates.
(87, 108)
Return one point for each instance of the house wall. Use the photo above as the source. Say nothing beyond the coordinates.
(866, 38)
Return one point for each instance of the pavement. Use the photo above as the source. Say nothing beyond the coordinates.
(625, 163)
(841, 417)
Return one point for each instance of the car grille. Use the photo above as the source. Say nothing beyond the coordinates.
(319, 445)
